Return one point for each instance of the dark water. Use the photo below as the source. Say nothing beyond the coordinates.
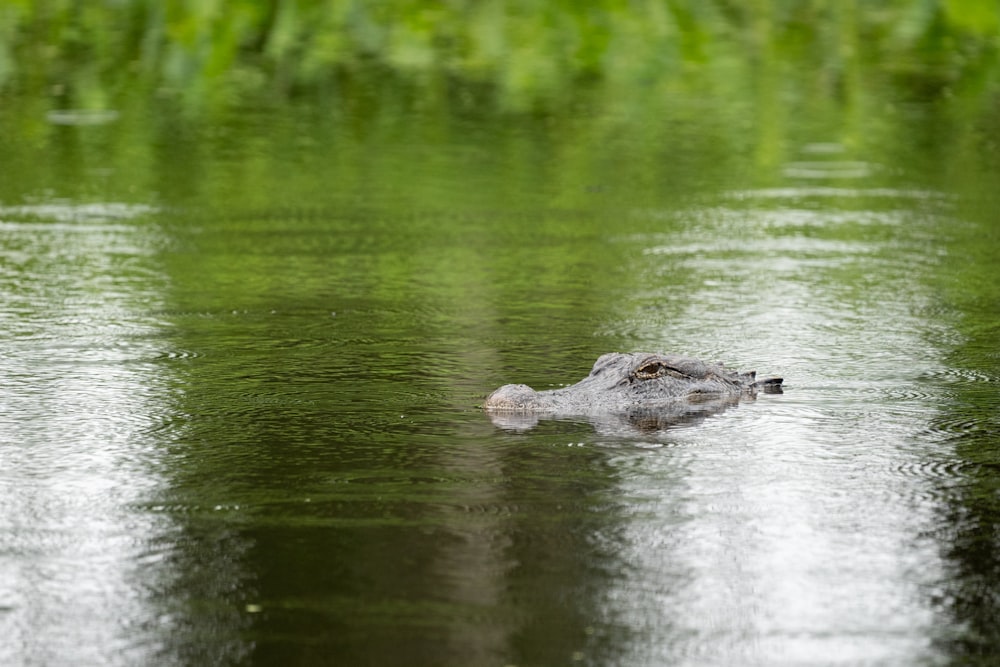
(243, 360)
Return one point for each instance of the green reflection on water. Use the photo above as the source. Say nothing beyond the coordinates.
(970, 299)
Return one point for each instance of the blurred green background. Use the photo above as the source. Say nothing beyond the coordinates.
(636, 82)
(528, 55)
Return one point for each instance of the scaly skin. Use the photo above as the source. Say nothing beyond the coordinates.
(626, 381)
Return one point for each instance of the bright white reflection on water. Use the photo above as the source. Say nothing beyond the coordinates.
(776, 545)
(79, 398)
(788, 532)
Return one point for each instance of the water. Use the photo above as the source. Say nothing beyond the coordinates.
(243, 362)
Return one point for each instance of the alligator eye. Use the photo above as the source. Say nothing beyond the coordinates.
(657, 369)
(651, 370)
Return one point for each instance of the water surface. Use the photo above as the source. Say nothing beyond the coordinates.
(243, 364)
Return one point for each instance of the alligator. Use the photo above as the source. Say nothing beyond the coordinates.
(650, 390)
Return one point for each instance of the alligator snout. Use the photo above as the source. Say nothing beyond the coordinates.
(512, 397)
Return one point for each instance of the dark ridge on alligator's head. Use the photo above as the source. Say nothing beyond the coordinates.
(626, 381)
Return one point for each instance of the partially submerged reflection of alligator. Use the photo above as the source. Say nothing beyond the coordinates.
(642, 390)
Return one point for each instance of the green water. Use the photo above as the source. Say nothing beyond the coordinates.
(245, 348)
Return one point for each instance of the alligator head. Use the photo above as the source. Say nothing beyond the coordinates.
(635, 383)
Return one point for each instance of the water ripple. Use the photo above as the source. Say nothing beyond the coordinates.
(55, 212)
(952, 375)
(956, 426)
(951, 472)
(829, 169)
(795, 193)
